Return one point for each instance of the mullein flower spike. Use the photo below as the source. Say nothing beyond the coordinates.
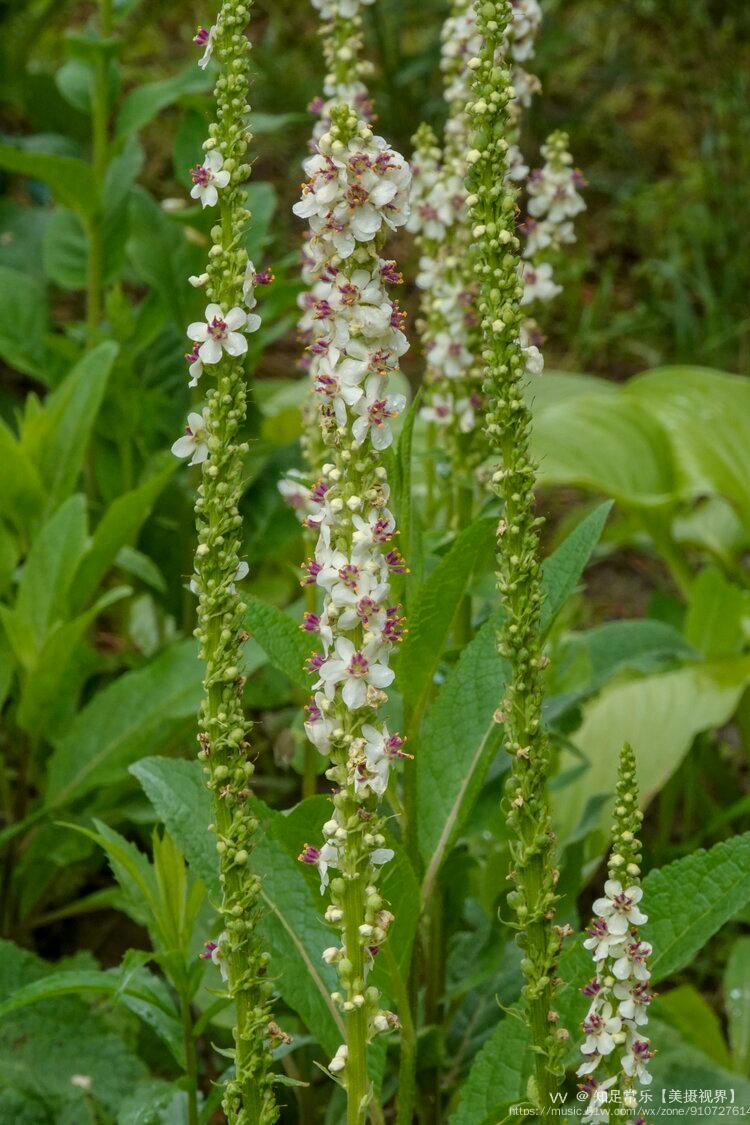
(356, 191)
(453, 399)
(506, 360)
(616, 1049)
(213, 440)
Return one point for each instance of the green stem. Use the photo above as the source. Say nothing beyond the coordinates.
(191, 1060)
(356, 1020)
(407, 1084)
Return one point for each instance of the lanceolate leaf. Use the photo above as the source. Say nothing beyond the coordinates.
(146, 101)
(143, 708)
(460, 736)
(71, 181)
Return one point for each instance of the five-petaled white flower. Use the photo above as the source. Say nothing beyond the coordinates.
(599, 1028)
(620, 907)
(374, 411)
(193, 442)
(208, 178)
(221, 333)
(355, 668)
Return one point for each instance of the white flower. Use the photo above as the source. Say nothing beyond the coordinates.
(248, 286)
(635, 1059)
(632, 962)
(381, 855)
(620, 908)
(374, 412)
(339, 1060)
(195, 366)
(373, 772)
(355, 668)
(318, 727)
(538, 283)
(440, 411)
(601, 941)
(534, 360)
(213, 952)
(600, 1027)
(208, 178)
(449, 353)
(193, 442)
(634, 1000)
(220, 333)
(205, 38)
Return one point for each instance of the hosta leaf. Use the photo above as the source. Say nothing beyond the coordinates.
(664, 711)
(714, 619)
(280, 637)
(70, 180)
(737, 1002)
(432, 612)
(143, 708)
(497, 1078)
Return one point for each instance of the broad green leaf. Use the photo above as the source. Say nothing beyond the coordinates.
(49, 673)
(431, 615)
(65, 250)
(692, 1016)
(147, 101)
(497, 1078)
(131, 868)
(142, 993)
(118, 528)
(689, 900)
(610, 445)
(49, 569)
(706, 414)
(680, 1066)
(22, 496)
(280, 637)
(737, 1002)
(260, 200)
(24, 321)
(57, 437)
(713, 622)
(659, 716)
(563, 569)
(143, 708)
(71, 181)
(460, 736)
(155, 249)
(406, 509)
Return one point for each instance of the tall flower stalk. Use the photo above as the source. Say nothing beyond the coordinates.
(213, 440)
(492, 206)
(615, 1048)
(357, 189)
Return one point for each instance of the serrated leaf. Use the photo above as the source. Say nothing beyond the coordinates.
(737, 1002)
(280, 637)
(142, 708)
(431, 615)
(71, 181)
(497, 1078)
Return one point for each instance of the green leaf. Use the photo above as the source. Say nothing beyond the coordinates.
(280, 637)
(664, 711)
(65, 250)
(158, 255)
(713, 622)
(147, 101)
(737, 1002)
(431, 615)
(71, 181)
(22, 496)
(406, 509)
(57, 437)
(143, 708)
(563, 569)
(118, 528)
(610, 445)
(460, 736)
(690, 899)
(24, 322)
(706, 415)
(688, 1012)
(142, 993)
(497, 1078)
(680, 1066)
(49, 569)
(48, 675)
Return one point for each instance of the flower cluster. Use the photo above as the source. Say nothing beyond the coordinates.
(212, 440)
(356, 191)
(615, 1048)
